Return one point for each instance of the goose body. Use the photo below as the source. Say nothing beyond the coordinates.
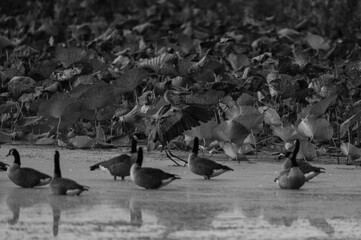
(25, 177)
(119, 166)
(204, 166)
(64, 186)
(3, 166)
(149, 178)
(293, 177)
(308, 170)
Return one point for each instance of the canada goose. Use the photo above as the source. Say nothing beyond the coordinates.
(3, 166)
(204, 166)
(64, 186)
(174, 118)
(119, 166)
(149, 178)
(308, 170)
(292, 178)
(25, 177)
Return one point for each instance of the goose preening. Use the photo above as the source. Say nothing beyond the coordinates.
(293, 177)
(204, 166)
(308, 170)
(119, 166)
(64, 186)
(25, 177)
(173, 119)
(3, 167)
(149, 178)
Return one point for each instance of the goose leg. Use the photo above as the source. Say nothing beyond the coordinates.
(171, 154)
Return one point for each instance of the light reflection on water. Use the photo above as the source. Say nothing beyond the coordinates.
(34, 213)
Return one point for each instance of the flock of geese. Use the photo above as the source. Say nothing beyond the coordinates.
(294, 173)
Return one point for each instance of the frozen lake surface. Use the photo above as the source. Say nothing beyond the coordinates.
(243, 204)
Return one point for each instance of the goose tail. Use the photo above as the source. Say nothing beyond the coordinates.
(94, 167)
(227, 168)
(175, 176)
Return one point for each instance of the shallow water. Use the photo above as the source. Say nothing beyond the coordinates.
(243, 204)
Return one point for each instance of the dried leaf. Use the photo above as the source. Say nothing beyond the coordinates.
(6, 138)
(55, 106)
(271, 117)
(98, 95)
(163, 64)
(238, 61)
(208, 98)
(70, 55)
(317, 42)
(286, 133)
(350, 150)
(82, 142)
(202, 131)
(230, 131)
(100, 134)
(45, 141)
(252, 121)
(130, 79)
(320, 108)
(19, 85)
(318, 129)
(345, 126)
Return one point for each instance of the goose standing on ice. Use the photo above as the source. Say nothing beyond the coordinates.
(25, 177)
(292, 178)
(204, 166)
(149, 178)
(64, 186)
(119, 166)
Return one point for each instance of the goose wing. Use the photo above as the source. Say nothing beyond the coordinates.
(179, 119)
(208, 167)
(111, 162)
(152, 177)
(63, 186)
(307, 168)
(29, 177)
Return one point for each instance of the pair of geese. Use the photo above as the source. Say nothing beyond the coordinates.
(291, 177)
